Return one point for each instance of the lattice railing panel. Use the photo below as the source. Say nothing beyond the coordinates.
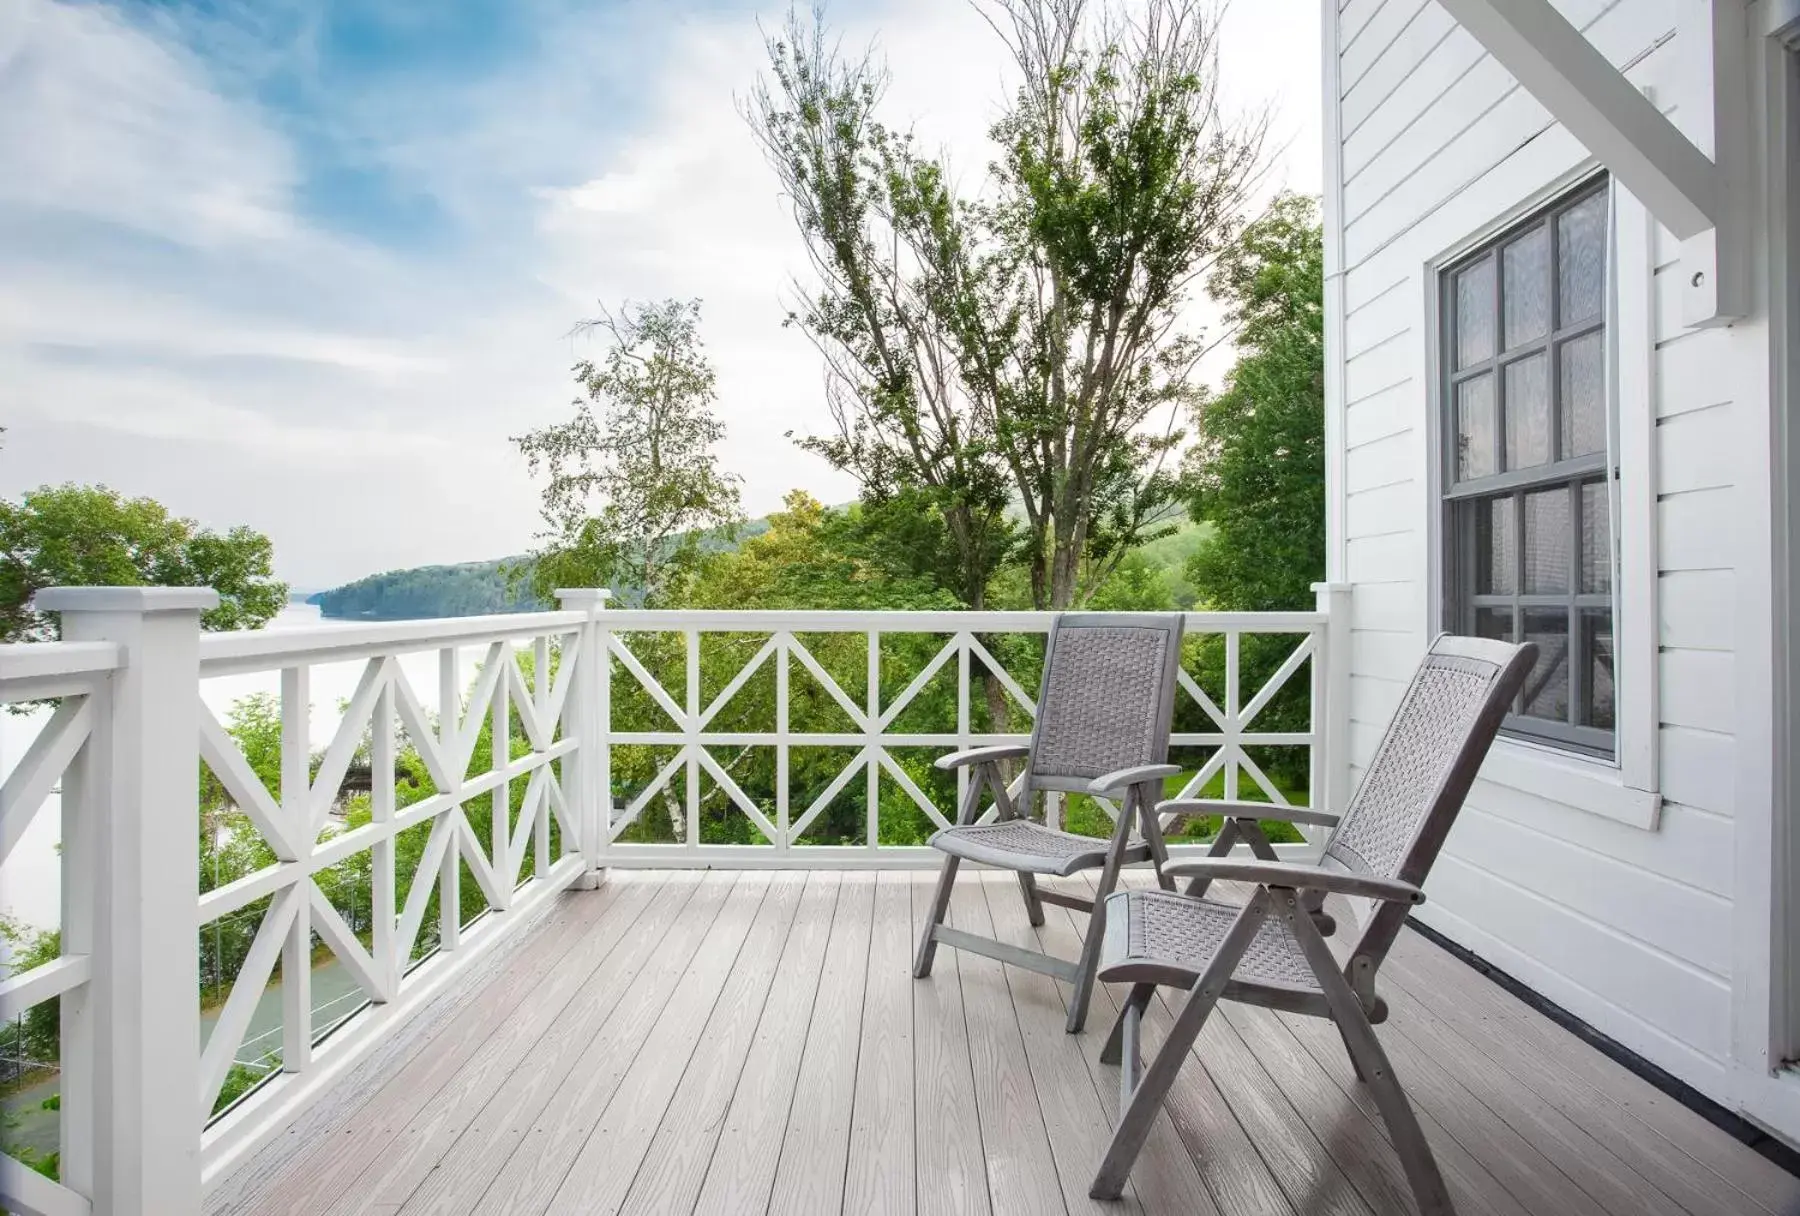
(836, 717)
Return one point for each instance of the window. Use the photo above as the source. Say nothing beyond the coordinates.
(1528, 532)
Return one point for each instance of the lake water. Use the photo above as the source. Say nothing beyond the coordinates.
(31, 879)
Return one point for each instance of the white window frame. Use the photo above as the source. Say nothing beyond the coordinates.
(1626, 787)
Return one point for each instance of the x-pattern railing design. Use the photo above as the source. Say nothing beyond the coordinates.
(385, 705)
(1231, 717)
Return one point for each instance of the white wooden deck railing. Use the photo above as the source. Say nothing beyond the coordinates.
(958, 649)
(593, 747)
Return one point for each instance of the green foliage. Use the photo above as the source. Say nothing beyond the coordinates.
(37, 1035)
(74, 535)
(468, 589)
(1259, 474)
(1260, 471)
(810, 557)
(241, 1078)
(634, 489)
(1025, 348)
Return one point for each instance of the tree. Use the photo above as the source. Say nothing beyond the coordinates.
(634, 489)
(1259, 473)
(72, 535)
(1026, 346)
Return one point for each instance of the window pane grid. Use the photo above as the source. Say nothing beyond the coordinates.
(1529, 541)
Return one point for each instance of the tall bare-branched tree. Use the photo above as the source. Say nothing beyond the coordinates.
(893, 253)
(1029, 345)
(634, 490)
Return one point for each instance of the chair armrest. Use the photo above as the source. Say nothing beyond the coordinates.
(982, 755)
(1298, 878)
(1245, 810)
(1125, 778)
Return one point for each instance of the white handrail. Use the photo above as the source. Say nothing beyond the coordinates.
(263, 650)
(755, 620)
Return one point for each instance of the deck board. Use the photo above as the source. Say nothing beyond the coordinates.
(880, 1176)
(755, 1043)
(1021, 1170)
(489, 1120)
(816, 1145)
(596, 1054)
(947, 1149)
(601, 1176)
(675, 1166)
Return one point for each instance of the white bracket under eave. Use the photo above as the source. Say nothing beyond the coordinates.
(1713, 76)
(1696, 187)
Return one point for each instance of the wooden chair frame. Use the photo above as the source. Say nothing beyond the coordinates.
(1136, 789)
(1293, 894)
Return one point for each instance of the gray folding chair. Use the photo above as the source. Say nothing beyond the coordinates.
(1269, 950)
(1103, 729)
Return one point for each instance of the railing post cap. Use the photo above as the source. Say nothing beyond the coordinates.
(583, 597)
(125, 599)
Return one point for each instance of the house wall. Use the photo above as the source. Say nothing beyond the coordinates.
(1625, 917)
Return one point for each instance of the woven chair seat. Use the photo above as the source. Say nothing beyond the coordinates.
(1176, 936)
(1020, 844)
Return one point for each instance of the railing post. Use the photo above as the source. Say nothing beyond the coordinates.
(1331, 712)
(590, 707)
(139, 802)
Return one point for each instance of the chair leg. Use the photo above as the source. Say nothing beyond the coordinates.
(1034, 907)
(1351, 1052)
(1429, 1192)
(1428, 1188)
(1090, 957)
(1137, 1116)
(940, 904)
(1221, 846)
(1139, 999)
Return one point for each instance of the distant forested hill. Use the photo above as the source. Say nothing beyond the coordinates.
(469, 589)
(478, 588)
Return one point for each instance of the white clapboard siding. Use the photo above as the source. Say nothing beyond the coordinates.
(1383, 29)
(1385, 462)
(1393, 412)
(1696, 451)
(1617, 923)
(1697, 609)
(1378, 369)
(1384, 509)
(1661, 1009)
(1486, 104)
(1397, 606)
(1354, 19)
(1385, 650)
(1384, 317)
(1688, 528)
(1696, 688)
(1687, 368)
(1429, 58)
(1469, 130)
(1698, 770)
(1689, 846)
(1394, 557)
(1689, 923)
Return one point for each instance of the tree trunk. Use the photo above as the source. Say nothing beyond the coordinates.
(677, 817)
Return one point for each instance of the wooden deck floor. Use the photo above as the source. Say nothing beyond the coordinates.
(725, 1042)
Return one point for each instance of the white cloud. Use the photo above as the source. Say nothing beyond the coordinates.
(355, 402)
(104, 122)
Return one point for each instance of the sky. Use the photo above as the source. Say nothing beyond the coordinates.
(308, 266)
